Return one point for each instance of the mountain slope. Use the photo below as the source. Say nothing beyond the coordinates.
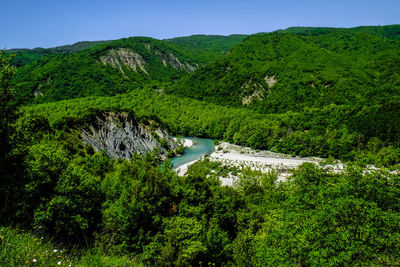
(278, 72)
(388, 31)
(25, 56)
(206, 48)
(202, 47)
(106, 69)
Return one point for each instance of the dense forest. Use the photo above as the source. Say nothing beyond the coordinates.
(287, 133)
(107, 69)
(332, 93)
(390, 31)
(25, 56)
(206, 48)
(278, 72)
(334, 78)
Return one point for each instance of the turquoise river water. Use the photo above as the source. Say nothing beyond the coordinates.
(201, 146)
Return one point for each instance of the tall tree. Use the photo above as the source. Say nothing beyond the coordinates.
(8, 115)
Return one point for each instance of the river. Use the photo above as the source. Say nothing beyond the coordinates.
(200, 147)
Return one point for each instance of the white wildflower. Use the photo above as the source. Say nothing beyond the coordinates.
(34, 260)
(59, 263)
(55, 250)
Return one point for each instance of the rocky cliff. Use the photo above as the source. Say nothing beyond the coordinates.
(123, 56)
(119, 57)
(121, 136)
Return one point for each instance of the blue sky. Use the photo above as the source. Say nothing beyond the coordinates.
(48, 23)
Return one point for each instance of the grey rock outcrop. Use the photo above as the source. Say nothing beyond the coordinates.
(121, 136)
(119, 57)
(123, 56)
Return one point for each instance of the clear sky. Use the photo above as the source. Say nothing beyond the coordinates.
(48, 23)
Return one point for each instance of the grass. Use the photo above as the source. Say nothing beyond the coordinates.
(20, 248)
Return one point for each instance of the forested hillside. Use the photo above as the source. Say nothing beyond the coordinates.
(354, 74)
(278, 72)
(106, 69)
(203, 47)
(207, 47)
(26, 56)
(110, 67)
(313, 133)
(389, 31)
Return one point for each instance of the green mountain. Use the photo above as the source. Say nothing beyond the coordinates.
(202, 47)
(278, 72)
(206, 48)
(106, 69)
(335, 79)
(110, 67)
(26, 56)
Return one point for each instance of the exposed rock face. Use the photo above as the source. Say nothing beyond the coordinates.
(120, 57)
(257, 94)
(176, 63)
(257, 89)
(270, 81)
(121, 136)
(123, 56)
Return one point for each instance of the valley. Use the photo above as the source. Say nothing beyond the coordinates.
(269, 149)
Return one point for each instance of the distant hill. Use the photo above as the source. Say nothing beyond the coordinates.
(26, 56)
(107, 69)
(202, 47)
(207, 47)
